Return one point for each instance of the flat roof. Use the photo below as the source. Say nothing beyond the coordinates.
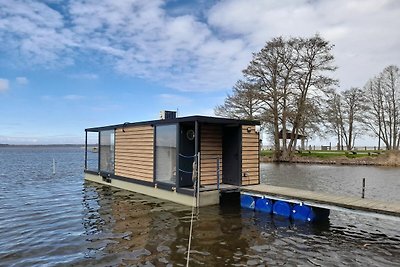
(201, 119)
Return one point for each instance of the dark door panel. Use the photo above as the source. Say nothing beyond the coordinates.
(231, 155)
(186, 153)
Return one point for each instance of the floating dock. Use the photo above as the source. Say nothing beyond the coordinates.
(322, 200)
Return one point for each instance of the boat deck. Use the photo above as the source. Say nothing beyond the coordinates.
(324, 200)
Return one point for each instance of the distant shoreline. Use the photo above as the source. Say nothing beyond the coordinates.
(47, 145)
(389, 159)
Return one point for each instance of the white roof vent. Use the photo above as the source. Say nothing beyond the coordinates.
(167, 114)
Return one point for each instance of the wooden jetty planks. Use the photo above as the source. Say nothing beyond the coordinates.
(353, 203)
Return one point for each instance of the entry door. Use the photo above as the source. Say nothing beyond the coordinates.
(231, 159)
(186, 154)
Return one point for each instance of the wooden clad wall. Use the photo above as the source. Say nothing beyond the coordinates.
(134, 152)
(250, 156)
(210, 149)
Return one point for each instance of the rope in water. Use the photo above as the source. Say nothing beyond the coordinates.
(191, 227)
(196, 196)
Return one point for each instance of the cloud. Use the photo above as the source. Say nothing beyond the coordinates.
(364, 32)
(196, 51)
(28, 139)
(84, 76)
(46, 98)
(17, 140)
(136, 38)
(22, 80)
(36, 32)
(73, 97)
(107, 108)
(4, 85)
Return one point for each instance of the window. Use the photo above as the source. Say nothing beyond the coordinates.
(92, 149)
(166, 153)
(107, 151)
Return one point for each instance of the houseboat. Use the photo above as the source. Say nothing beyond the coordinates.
(176, 158)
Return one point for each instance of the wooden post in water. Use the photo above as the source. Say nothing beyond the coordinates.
(54, 166)
(363, 188)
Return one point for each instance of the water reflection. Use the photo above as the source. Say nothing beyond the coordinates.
(124, 228)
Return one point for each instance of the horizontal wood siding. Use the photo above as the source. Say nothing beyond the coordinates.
(210, 149)
(250, 156)
(134, 156)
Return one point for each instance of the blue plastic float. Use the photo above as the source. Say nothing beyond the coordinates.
(299, 212)
(247, 202)
(264, 205)
(303, 213)
(282, 208)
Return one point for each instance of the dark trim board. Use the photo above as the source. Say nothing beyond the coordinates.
(121, 178)
(185, 191)
(132, 180)
(91, 172)
(160, 185)
(200, 119)
(165, 186)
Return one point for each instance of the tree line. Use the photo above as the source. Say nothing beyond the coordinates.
(289, 86)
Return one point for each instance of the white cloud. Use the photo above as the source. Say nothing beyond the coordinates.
(22, 80)
(186, 52)
(46, 98)
(17, 140)
(365, 33)
(28, 139)
(36, 32)
(84, 76)
(4, 85)
(73, 97)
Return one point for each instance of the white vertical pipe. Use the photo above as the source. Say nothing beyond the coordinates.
(198, 180)
(54, 166)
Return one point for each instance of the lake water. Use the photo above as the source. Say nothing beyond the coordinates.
(61, 220)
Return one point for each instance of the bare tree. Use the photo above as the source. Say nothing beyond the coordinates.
(333, 116)
(290, 75)
(344, 115)
(354, 108)
(383, 93)
(243, 103)
(272, 68)
(311, 78)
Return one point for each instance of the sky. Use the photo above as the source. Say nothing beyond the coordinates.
(69, 65)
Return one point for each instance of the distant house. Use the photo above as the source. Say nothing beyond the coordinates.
(289, 135)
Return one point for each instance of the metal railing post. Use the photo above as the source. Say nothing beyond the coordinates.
(198, 181)
(218, 169)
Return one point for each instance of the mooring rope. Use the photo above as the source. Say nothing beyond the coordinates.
(185, 171)
(187, 157)
(196, 183)
(191, 228)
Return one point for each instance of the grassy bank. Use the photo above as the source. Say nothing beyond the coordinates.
(364, 157)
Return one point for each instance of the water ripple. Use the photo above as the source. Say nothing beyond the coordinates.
(60, 220)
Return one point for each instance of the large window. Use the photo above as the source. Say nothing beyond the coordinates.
(92, 147)
(107, 151)
(166, 153)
